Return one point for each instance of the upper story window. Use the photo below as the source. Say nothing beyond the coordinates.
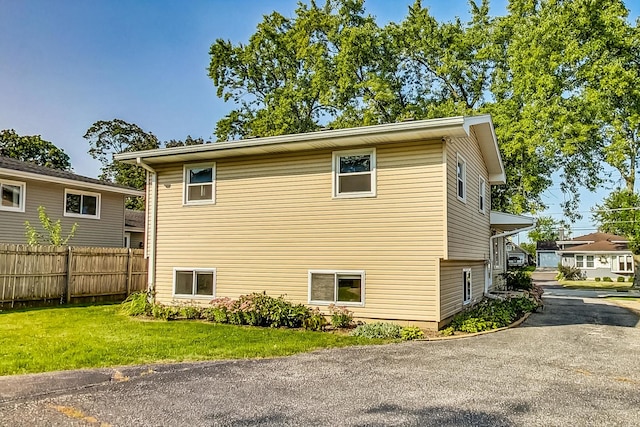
(199, 184)
(354, 173)
(81, 204)
(13, 194)
(461, 174)
(482, 195)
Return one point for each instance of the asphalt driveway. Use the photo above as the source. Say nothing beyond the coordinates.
(576, 363)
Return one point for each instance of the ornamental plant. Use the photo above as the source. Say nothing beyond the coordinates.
(341, 317)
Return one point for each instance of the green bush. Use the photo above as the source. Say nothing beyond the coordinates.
(492, 314)
(341, 317)
(516, 280)
(190, 312)
(165, 312)
(631, 279)
(597, 279)
(316, 321)
(136, 304)
(258, 309)
(409, 333)
(569, 273)
(620, 279)
(378, 330)
(607, 279)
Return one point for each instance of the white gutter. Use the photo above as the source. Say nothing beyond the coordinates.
(150, 225)
(488, 284)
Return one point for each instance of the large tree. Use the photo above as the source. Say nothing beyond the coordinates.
(32, 148)
(619, 214)
(539, 71)
(107, 138)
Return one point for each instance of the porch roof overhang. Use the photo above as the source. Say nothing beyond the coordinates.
(505, 222)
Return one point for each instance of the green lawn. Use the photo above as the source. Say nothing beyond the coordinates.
(51, 339)
(592, 284)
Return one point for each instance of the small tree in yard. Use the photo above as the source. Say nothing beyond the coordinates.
(53, 231)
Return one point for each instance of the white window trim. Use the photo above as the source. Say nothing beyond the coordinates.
(336, 273)
(185, 184)
(23, 196)
(98, 197)
(482, 195)
(194, 270)
(616, 263)
(335, 172)
(466, 300)
(461, 159)
(584, 261)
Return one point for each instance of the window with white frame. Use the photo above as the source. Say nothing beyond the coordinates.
(343, 287)
(482, 195)
(622, 264)
(81, 204)
(194, 282)
(461, 174)
(199, 183)
(354, 173)
(13, 195)
(585, 261)
(466, 285)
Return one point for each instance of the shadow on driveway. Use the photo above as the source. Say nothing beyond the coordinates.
(560, 311)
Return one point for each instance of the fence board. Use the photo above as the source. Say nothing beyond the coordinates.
(45, 273)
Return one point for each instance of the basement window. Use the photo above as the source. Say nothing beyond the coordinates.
(333, 287)
(194, 282)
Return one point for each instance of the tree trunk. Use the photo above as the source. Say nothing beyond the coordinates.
(636, 276)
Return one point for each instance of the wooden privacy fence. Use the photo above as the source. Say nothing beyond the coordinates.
(50, 273)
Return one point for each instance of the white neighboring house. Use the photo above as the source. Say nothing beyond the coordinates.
(516, 256)
(598, 255)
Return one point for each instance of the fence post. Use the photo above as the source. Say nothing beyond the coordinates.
(129, 272)
(68, 290)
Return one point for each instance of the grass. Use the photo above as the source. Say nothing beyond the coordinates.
(592, 284)
(629, 299)
(61, 338)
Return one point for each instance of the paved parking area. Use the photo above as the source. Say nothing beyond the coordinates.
(576, 363)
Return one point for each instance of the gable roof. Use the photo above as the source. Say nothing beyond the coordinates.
(27, 170)
(600, 246)
(133, 219)
(598, 237)
(432, 129)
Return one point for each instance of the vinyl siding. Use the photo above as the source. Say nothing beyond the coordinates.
(451, 298)
(467, 229)
(275, 219)
(108, 231)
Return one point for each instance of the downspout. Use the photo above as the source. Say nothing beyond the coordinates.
(489, 284)
(150, 225)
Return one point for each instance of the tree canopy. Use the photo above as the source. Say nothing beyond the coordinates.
(32, 148)
(620, 214)
(107, 138)
(559, 77)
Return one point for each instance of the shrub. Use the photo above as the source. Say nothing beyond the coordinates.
(597, 279)
(411, 333)
(160, 311)
(316, 320)
(517, 280)
(493, 314)
(607, 279)
(378, 330)
(341, 317)
(620, 279)
(569, 273)
(136, 304)
(631, 278)
(190, 312)
(258, 309)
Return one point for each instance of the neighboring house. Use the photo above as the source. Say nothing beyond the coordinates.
(547, 254)
(516, 256)
(134, 229)
(392, 221)
(504, 225)
(598, 255)
(96, 206)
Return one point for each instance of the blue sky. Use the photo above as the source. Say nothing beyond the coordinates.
(66, 64)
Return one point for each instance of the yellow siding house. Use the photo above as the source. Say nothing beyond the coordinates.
(392, 221)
